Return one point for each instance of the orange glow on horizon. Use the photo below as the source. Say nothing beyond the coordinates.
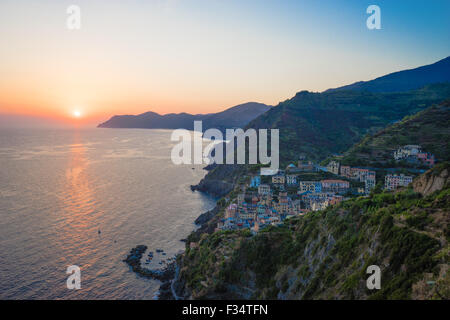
(195, 58)
(93, 112)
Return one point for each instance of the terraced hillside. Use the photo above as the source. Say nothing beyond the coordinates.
(429, 128)
(325, 254)
(319, 124)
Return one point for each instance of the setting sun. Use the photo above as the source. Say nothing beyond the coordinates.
(77, 114)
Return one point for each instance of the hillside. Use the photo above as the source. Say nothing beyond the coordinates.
(318, 124)
(429, 128)
(406, 79)
(237, 116)
(325, 254)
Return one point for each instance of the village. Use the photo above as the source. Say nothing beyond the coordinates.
(265, 200)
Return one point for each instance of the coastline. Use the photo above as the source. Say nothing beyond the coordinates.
(171, 287)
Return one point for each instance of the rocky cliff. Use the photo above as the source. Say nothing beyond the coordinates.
(433, 180)
(325, 254)
(220, 180)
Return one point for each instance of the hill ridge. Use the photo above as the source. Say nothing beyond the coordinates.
(236, 116)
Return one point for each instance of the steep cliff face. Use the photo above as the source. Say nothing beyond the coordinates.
(221, 179)
(433, 180)
(214, 187)
(325, 255)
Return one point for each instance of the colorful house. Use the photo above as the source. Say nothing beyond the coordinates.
(337, 186)
(255, 182)
(393, 181)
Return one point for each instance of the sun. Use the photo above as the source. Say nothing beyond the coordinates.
(77, 114)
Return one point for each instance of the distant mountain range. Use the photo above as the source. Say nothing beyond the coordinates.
(330, 121)
(237, 116)
(404, 80)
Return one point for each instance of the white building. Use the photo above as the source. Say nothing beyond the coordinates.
(264, 189)
(278, 179)
(291, 180)
(407, 151)
(333, 167)
(392, 182)
(369, 182)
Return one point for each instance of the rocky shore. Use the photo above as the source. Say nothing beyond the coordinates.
(219, 180)
(172, 286)
(165, 274)
(216, 188)
(207, 216)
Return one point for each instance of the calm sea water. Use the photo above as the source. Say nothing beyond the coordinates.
(59, 187)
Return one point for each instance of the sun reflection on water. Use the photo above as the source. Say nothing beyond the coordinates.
(80, 218)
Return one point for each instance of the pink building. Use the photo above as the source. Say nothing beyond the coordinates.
(230, 211)
(426, 158)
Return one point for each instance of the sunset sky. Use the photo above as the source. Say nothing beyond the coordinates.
(201, 56)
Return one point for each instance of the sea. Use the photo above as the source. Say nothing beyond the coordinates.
(85, 197)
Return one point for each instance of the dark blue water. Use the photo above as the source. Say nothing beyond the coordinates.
(59, 187)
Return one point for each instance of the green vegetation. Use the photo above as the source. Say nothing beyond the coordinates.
(429, 128)
(325, 254)
(318, 124)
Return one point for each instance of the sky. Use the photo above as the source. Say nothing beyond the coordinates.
(201, 56)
